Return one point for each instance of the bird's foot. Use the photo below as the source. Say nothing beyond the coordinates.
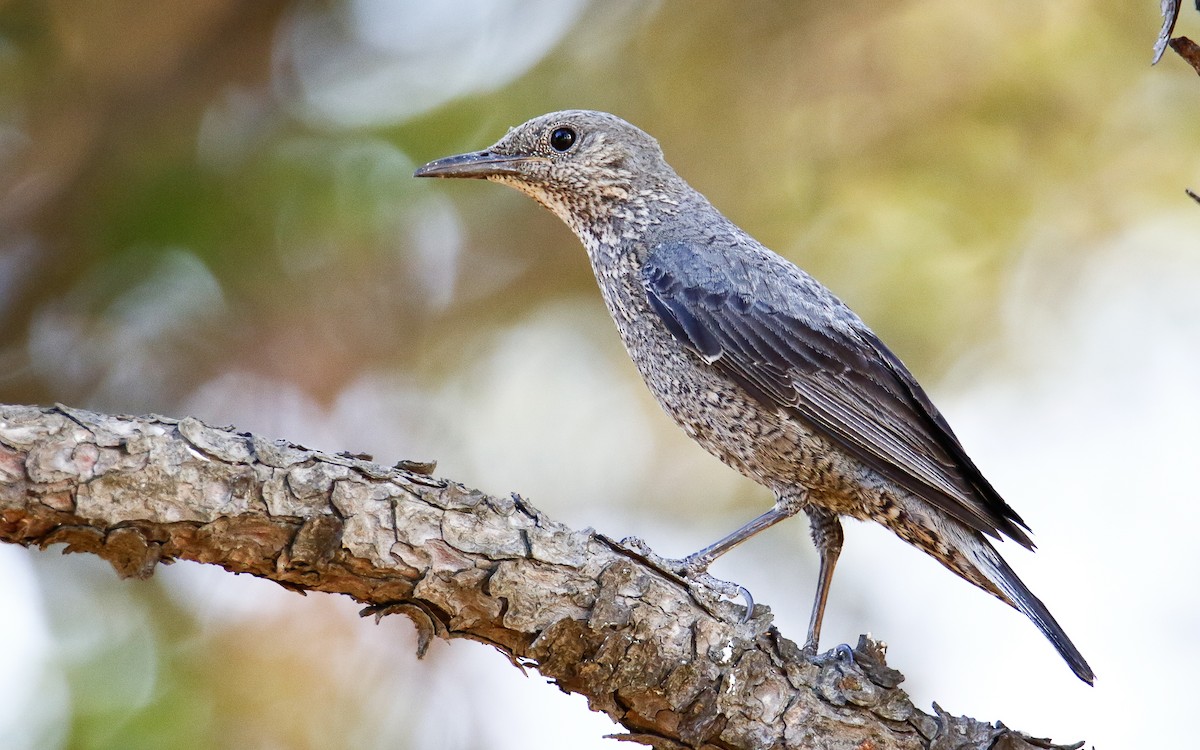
(867, 658)
(842, 652)
(727, 590)
(692, 571)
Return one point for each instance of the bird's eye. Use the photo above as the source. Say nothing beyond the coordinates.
(562, 139)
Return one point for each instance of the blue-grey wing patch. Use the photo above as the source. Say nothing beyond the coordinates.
(838, 379)
(684, 326)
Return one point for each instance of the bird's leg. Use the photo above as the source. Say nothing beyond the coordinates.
(698, 562)
(695, 566)
(827, 536)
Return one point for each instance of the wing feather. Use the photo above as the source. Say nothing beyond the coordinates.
(811, 357)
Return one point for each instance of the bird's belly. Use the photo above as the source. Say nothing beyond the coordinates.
(772, 448)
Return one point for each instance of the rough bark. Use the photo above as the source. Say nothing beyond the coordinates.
(674, 666)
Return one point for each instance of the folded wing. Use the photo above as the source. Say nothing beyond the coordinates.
(810, 357)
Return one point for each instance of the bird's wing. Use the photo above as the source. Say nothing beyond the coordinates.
(793, 346)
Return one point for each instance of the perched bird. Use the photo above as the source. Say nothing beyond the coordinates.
(760, 363)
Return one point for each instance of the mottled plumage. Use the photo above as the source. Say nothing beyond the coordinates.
(758, 362)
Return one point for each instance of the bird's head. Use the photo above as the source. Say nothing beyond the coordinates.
(584, 166)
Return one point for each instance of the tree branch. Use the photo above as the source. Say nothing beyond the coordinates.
(674, 669)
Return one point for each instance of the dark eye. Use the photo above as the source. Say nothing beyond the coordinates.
(562, 139)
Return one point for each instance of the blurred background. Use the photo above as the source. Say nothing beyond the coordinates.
(206, 208)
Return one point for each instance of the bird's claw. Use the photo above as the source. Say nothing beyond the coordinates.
(693, 572)
(728, 590)
(842, 652)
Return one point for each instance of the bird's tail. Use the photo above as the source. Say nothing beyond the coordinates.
(1016, 593)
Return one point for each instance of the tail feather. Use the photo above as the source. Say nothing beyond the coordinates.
(1016, 593)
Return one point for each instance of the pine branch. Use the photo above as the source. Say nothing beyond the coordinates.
(672, 665)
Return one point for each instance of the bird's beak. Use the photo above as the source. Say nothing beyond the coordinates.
(477, 164)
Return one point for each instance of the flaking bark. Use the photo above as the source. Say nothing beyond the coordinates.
(675, 671)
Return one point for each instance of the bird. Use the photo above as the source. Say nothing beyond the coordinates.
(761, 364)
